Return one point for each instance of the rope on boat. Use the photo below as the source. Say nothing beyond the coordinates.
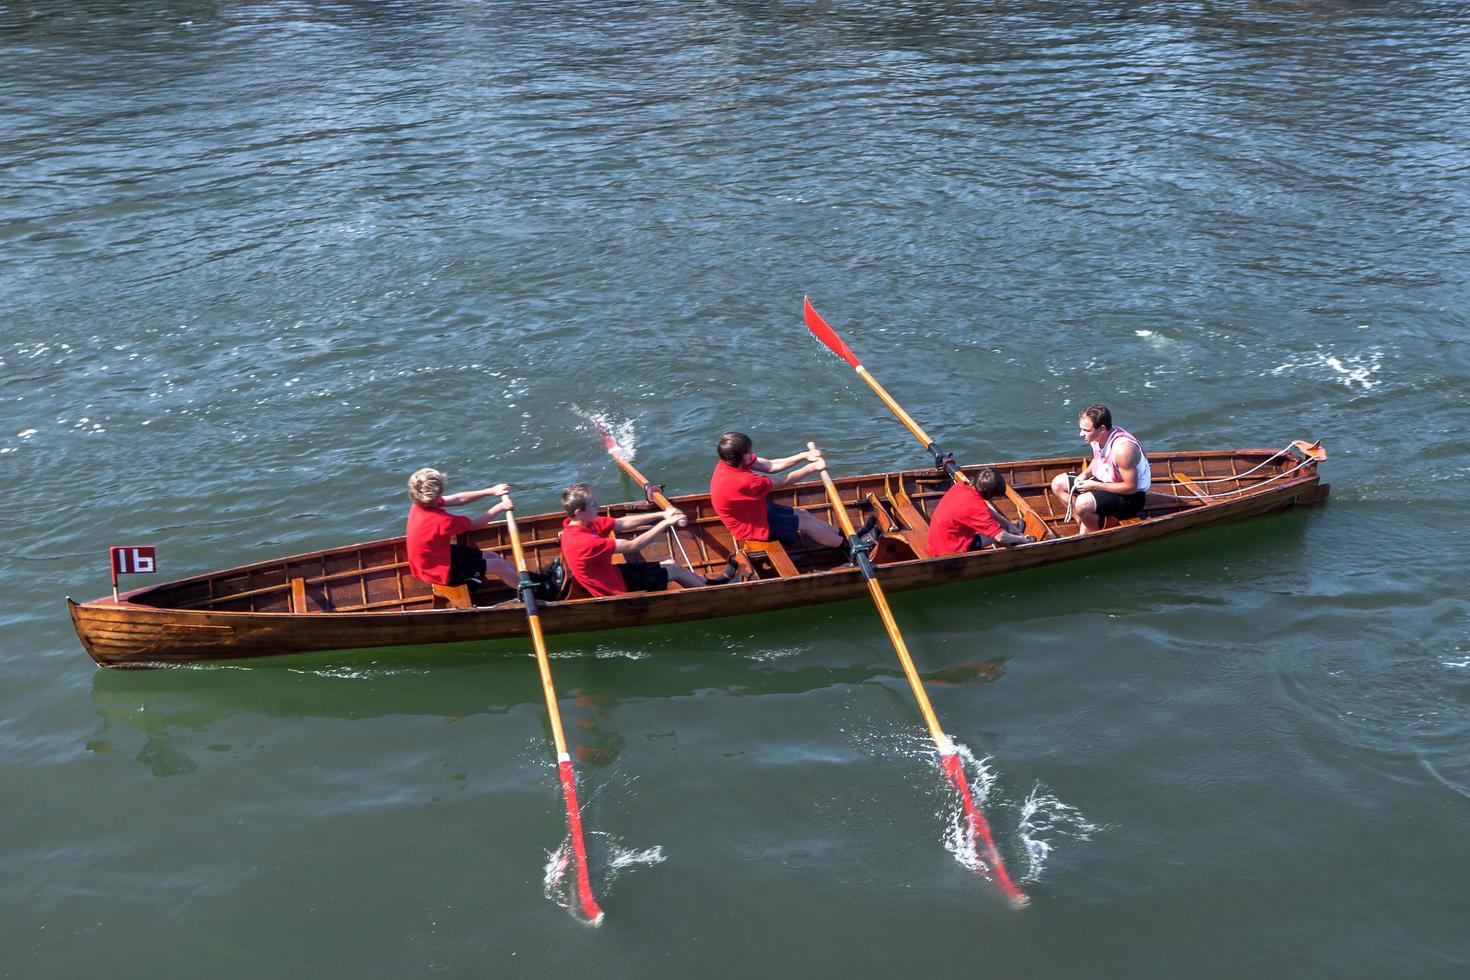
(1267, 462)
(1226, 479)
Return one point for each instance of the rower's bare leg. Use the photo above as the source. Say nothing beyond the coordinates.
(1085, 511)
(818, 530)
(503, 570)
(678, 573)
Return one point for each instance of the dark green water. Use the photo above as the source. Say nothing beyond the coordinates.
(260, 261)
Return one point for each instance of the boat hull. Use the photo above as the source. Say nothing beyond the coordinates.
(132, 632)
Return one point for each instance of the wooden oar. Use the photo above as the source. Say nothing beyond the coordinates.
(589, 905)
(654, 493)
(1034, 525)
(949, 757)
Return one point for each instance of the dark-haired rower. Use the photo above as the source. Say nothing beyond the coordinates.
(964, 519)
(742, 481)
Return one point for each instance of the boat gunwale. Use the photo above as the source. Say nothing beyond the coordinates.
(125, 601)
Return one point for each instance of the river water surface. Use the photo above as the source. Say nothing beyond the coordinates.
(259, 261)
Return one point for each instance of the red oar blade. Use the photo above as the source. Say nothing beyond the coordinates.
(608, 441)
(590, 909)
(978, 829)
(826, 334)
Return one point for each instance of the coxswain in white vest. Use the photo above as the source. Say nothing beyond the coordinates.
(1115, 483)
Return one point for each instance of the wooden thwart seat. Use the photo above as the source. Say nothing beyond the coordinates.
(451, 596)
(888, 528)
(775, 552)
(907, 511)
(1192, 487)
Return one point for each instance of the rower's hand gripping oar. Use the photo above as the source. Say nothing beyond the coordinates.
(527, 589)
(1032, 522)
(949, 758)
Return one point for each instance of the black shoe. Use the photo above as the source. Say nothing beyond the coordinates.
(868, 525)
(730, 574)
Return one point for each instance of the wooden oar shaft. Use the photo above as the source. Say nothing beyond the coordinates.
(1032, 521)
(896, 408)
(941, 741)
(654, 493)
(538, 640)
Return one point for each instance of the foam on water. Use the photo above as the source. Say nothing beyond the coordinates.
(1352, 371)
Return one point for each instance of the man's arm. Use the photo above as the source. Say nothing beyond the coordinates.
(629, 522)
(1126, 459)
(637, 544)
(492, 513)
(785, 462)
(791, 476)
(470, 496)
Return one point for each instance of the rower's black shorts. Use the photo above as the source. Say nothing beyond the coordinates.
(465, 562)
(644, 576)
(784, 523)
(1119, 505)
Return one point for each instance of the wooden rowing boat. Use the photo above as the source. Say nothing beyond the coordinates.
(363, 596)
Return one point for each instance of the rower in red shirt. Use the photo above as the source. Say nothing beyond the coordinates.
(742, 481)
(589, 541)
(964, 519)
(432, 554)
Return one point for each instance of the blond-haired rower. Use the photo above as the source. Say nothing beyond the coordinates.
(432, 554)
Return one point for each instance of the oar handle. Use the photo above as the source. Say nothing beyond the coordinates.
(835, 498)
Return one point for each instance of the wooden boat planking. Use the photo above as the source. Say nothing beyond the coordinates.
(362, 596)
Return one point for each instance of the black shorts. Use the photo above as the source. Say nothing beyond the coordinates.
(1119, 505)
(465, 562)
(784, 523)
(644, 576)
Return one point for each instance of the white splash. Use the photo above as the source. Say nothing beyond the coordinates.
(620, 857)
(556, 885)
(1457, 663)
(559, 886)
(622, 432)
(957, 837)
(1143, 333)
(1045, 820)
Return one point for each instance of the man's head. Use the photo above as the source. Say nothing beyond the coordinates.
(426, 486)
(1094, 424)
(579, 501)
(990, 483)
(735, 448)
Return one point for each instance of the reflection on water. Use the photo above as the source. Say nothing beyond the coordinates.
(163, 707)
